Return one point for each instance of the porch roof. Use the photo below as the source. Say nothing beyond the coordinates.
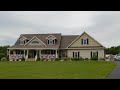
(34, 46)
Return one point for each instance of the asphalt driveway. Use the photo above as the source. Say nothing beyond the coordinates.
(115, 74)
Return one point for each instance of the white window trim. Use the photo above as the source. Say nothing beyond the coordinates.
(86, 41)
(37, 39)
(22, 42)
(76, 55)
(52, 42)
(35, 43)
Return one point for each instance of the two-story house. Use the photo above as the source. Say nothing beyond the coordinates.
(50, 46)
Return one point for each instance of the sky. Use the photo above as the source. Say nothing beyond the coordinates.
(103, 26)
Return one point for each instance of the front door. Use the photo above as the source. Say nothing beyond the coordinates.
(32, 54)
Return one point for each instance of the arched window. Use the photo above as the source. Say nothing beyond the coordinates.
(35, 42)
(51, 41)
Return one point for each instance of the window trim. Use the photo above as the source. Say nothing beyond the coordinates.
(85, 41)
(76, 54)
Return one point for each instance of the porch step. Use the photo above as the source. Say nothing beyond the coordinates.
(30, 60)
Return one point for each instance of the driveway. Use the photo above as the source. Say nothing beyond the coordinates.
(115, 74)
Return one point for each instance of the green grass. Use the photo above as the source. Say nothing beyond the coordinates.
(55, 70)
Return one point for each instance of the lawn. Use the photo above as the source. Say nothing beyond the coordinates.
(56, 70)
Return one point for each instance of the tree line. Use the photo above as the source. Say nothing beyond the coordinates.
(113, 50)
(3, 51)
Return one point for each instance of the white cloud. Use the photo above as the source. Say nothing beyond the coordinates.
(102, 25)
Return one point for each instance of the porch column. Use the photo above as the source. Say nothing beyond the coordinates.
(40, 54)
(56, 54)
(24, 53)
(36, 55)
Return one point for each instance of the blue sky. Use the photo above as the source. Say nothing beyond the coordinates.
(104, 26)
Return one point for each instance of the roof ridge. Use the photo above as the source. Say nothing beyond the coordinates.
(41, 34)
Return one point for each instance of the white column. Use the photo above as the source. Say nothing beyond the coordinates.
(24, 53)
(36, 55)
(40, 54)
(27, 55)
(56, 54)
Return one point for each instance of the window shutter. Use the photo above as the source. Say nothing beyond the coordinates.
(87, 41)
(73, 54)
(78, 54)
(53, 41)
(97, 53)
(91, 54)
(48, 41)
(82, 41)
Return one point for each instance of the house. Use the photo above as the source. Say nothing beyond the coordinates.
(51, 46)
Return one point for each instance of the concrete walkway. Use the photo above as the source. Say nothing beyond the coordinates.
(115, 74)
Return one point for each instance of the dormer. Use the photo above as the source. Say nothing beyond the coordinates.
(51, 40)
(22, 40)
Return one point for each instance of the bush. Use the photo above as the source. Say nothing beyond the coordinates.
(22, 59)
(86, 59)
(2, 55)
(65, 59)
(38, 59)
(57, 59)
(94, 58)
(102, 59)
(81, 59)
(77, 59)
(7, 57)
(4, 59)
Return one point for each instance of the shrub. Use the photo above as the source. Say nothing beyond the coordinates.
(57, 59)
(86, 59)
(65, 59)
(7, 57)
(2, 55)
(81, 59)
(4, 59)
(95, 58)
(38, 59)
(22, 59)
(68, 58)
(102, 59)
(77, 59)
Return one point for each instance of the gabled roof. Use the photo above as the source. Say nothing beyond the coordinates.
(80, 36)
(51, 36)
(42, 38)
(67, 39)
(62, 42)
(37, 39)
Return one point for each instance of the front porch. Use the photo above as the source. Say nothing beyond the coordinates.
(32, 54)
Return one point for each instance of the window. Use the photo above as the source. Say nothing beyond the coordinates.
(51, 41)
(84, 41)
(35, 42)
(22, 42)
(76, 54)
(94, 54)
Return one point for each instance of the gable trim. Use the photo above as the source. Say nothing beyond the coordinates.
(80, 36)
(49, 36)
(22, 37)
(37, 39)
